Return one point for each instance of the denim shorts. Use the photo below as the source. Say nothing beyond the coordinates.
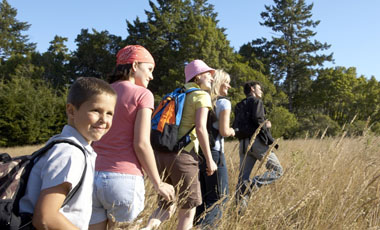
(117, 196)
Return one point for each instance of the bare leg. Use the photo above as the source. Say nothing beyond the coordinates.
(185, 219)
(99, 226)
(160, 216)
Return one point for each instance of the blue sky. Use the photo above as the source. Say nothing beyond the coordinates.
(351, 27)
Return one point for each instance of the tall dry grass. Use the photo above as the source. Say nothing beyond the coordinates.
(327, 184)
(19, 151)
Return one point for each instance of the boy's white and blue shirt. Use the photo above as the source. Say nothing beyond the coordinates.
(64, 163)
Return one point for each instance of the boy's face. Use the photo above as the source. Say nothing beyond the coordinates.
(93, 119)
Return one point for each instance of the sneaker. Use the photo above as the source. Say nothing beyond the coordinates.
(242, 204)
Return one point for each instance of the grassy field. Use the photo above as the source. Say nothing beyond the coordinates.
(327, 184)
(18, 151)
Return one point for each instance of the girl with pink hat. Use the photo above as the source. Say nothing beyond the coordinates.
(215, 188)
(181, 169)
(125, 150)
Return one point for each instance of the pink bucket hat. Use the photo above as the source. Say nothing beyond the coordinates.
(132, 53)
(195, 68)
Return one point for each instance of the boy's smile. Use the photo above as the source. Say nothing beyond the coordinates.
(93, 119)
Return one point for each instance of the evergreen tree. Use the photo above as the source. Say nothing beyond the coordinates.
(30, 112)
(95, 55)
(57, 47)
(293, 55)
(12, 41)
(257, 54)
(14, 46)
(177, 32)
(55, 63)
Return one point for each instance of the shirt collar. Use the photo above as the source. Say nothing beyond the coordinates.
(251, 96)
(191, 85)
(69, 131)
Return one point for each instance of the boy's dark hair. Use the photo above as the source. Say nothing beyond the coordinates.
(248, 85)
(86, 87)
(121, 72)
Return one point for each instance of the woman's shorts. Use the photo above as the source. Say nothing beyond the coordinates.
(181, 170)
(117, 196)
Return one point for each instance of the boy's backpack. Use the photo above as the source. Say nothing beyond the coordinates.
(166, 119)
(14, 174)
(243, 124)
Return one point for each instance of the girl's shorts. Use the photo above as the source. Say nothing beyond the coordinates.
(117, 196)
(181, 170)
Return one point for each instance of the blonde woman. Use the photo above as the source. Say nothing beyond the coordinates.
(215, 187)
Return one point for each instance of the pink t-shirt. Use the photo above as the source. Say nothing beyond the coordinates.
(115, 149)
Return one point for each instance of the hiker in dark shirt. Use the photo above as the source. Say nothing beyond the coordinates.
(255, 107)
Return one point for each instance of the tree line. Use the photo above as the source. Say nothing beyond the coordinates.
(302, 96)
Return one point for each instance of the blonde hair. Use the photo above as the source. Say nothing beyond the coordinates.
(220, 77)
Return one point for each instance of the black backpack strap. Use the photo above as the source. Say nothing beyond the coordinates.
(71, 142)
(182, 139)
(187, 91)
(26, 218)
(182, 142)
(75, 189)
(222, 97)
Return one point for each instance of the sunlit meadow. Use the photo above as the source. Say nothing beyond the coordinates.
(330, 183)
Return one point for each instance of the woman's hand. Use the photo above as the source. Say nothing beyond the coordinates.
(145, 155)
(211, 167)
(232, 132)
(166, 191)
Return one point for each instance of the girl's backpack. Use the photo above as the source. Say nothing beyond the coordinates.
(166, 119)
(14, 174)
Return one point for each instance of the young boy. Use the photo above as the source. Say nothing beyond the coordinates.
(90, 107)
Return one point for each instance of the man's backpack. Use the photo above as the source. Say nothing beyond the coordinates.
(243, 124)
(14, 174)
(166, 120)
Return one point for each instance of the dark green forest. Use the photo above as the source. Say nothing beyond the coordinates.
(302, 97)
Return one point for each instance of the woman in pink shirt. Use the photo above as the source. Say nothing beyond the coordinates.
(125, 150)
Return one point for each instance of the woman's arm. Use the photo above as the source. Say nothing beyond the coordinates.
(201, 129)
(46, 212)
(224, 124)
(145, 155)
